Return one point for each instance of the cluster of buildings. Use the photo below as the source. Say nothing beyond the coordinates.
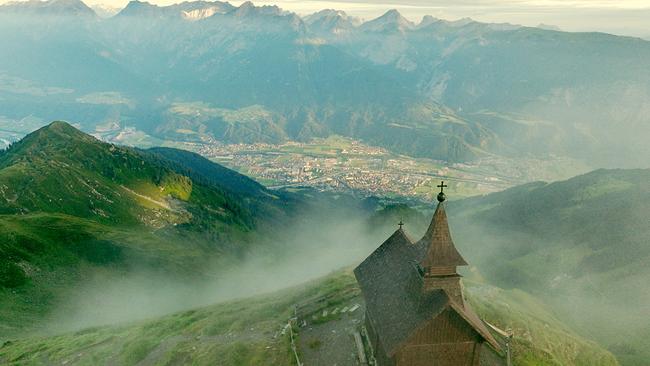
(354, 166)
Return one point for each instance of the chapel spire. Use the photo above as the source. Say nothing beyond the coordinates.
(441, 255)
(415, 310)
(439, 248)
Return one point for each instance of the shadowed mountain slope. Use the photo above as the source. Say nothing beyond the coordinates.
(581, 245)
(204, 170)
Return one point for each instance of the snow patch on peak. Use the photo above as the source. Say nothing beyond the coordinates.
(198, 14)
(391, 21)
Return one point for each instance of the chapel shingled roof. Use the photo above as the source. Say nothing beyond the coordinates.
(392, 284)
(436, 244)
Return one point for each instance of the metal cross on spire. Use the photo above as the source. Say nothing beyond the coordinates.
(442, 186)
(441, 196)
(401, 223)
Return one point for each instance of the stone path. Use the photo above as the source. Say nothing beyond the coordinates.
(328, 338)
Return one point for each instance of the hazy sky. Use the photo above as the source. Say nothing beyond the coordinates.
(628, 17)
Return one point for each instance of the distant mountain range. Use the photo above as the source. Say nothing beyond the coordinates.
(449, 90)
(51, 7)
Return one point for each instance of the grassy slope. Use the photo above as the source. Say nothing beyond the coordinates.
(244, 332)
(580, 244)
(70, 204)
(58, 251)
(60, 169)
(540, 338)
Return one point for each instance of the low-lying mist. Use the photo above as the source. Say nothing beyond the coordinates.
(601, 303)
(320, 242)
(599, 291)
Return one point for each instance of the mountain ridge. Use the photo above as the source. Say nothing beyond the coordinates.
(98, 169)
(50, 7)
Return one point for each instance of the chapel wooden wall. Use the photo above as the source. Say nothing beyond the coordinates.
(380, 354)
(447, 340)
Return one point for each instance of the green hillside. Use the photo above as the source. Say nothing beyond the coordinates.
(60, 169)
(71, 205)
(248, 332)
(581, 245)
